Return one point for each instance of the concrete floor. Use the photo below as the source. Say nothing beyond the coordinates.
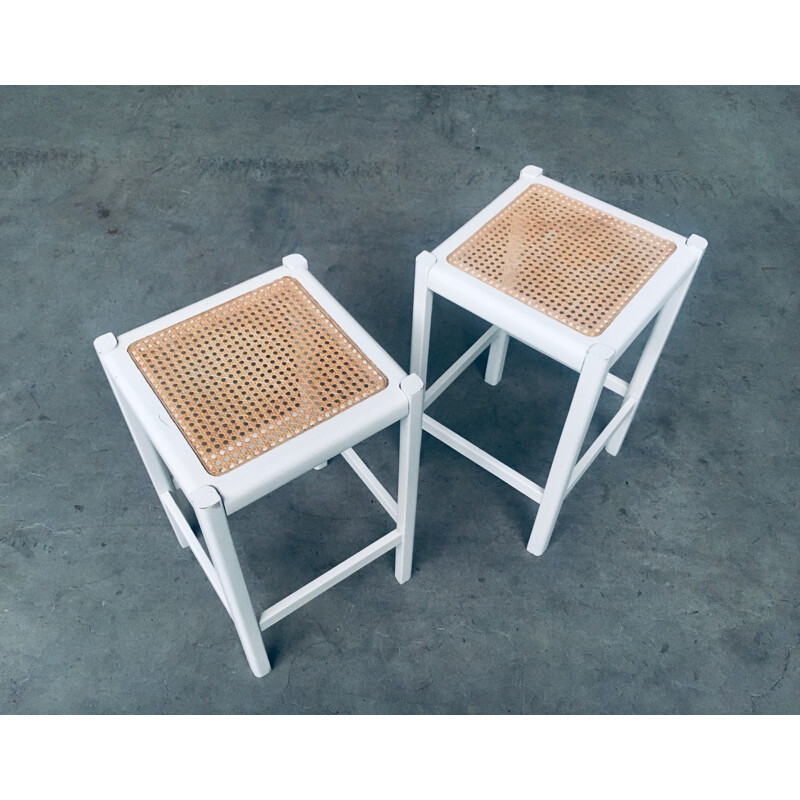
(671, 584)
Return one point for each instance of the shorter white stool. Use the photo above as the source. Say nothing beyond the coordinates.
(572, 277)
(236, 395)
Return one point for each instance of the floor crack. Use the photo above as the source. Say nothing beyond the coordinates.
(755, 696)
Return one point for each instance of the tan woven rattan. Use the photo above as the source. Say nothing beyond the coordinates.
(564, 258)
(246, 376)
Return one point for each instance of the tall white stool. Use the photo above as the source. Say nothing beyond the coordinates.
(238, 394)
(572, 277)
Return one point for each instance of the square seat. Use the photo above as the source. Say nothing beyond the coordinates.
(561, 270)
(562, 257)
(248, 375)
(251, 387)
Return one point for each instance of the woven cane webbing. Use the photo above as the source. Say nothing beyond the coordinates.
(244, 377)
(564, 258)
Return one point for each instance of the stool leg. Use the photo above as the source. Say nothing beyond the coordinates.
(497, 359)
(214, 524)
(156, 469)
(421, 321)
(584, 401)
(648, 360)
(410, 439)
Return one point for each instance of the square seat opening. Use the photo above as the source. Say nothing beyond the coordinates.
(575, 263)
(246, 376)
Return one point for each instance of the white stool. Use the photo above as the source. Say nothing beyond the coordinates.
(238, 394)
(571, 277)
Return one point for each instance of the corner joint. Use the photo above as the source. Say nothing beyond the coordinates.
(531, 172)
(295, 261)
(411, 385)
(426, 261)
(105, 343)
(599, 352)
(697, 243)
(205, 497)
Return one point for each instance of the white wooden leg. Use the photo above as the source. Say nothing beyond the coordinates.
(652, 350)
(497, 359)
(156, 469)
(410, 439)
(421, 322)
(590, 385)
(647, 363)
(214, 525)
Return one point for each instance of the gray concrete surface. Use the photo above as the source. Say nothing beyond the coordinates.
(672, 582)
